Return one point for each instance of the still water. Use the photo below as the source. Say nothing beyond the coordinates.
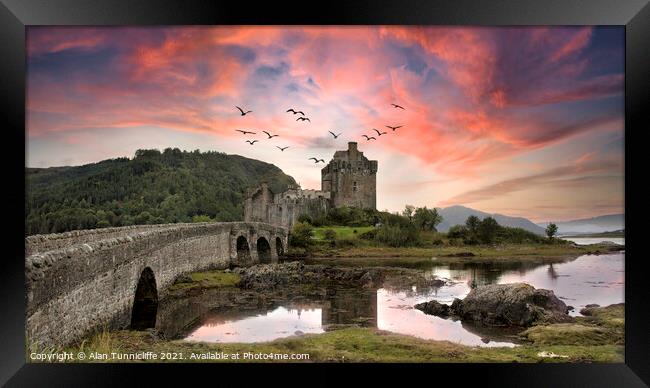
(578, 282)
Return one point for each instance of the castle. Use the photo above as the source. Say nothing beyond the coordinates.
(349, 179)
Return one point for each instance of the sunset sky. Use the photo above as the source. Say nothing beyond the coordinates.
(523, 121)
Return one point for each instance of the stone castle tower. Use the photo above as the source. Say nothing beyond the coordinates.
(351, 179)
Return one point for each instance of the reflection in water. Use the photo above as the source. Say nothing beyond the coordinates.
(595, 240)
(587, 279)
(280, 322)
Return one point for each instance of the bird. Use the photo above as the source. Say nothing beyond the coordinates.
(394, 128)
(334, 134)
(379, 133)
(244, 132)
(251, 142)
(296, 111)
(317, 160)
(303, 119)
(282, 148)
(397, 106)
(269, 135)
(242, 111)
(369, 137)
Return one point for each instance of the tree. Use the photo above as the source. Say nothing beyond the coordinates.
(408, 212)
(426, 219)
(487, 230)
(472, 224)
(551, 230)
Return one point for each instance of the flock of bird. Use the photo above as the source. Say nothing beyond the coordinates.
(304, 118)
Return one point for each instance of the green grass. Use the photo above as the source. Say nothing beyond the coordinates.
(342, 232)
(207, 279)
(356, 345)
(602, 325)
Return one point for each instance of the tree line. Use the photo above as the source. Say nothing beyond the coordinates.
(153, 187)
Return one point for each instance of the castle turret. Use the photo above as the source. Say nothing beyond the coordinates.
(351, 179)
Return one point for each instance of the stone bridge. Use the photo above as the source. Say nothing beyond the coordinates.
(82, 281)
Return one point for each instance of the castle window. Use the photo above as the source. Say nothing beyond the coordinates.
(354, 186)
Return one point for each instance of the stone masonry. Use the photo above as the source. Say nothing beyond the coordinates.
(80, 282)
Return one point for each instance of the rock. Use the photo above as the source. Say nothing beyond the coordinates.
(298, 332)
(184, 279)
(277, 275)
(433, 308)
(588, 309)
(517, 304)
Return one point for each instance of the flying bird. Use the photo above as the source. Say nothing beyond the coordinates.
(317, 160)
(303, 119)
(244, 132)
(282, 148)
(369, 137)
(394, 128)
(242, 111)
(296, 111)
(251, 142)
(269, 135)
(398, 106)
(379, 133)
(334, 134)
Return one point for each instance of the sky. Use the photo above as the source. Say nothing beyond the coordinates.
(522, 121)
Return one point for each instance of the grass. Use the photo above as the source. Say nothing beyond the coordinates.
(207, 279)
(342, 232)
(602, 325)
(354, 345)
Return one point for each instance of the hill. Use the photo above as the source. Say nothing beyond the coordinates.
(598, 224)
(153, 187)
(456, 215)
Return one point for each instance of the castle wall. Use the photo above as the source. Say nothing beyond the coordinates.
(285, 208)
(349, 179)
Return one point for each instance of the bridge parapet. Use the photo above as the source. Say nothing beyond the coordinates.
(79, 282)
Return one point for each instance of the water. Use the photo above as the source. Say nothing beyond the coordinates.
(595, 240)
(578, 282)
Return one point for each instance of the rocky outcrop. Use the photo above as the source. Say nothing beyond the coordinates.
(433, 308)
(517, 304)
(276, 275)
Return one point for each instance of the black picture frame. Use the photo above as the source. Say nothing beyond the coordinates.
(15, 15)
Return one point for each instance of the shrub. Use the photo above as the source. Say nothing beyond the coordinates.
(329, 234)
(457, 232)
(305, 219)
(344, 243)
(398, 236)
(301, 235)
(369, 235)
(201, 218)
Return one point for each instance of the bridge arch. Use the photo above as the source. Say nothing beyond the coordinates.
(243, 250)
(264, 250)
(279, 248)
(145, 303)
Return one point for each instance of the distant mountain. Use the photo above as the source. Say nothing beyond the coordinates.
(598, 224)
(457, 215)
(151, 188)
